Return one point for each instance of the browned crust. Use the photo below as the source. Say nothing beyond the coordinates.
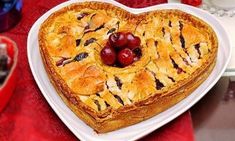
(111, 119)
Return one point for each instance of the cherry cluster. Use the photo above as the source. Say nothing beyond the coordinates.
(122, 49)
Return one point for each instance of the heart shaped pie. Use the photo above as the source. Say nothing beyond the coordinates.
(164, 56)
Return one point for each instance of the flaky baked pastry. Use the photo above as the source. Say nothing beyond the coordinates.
(178, 52)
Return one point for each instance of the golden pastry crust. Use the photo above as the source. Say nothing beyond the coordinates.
(178, 53)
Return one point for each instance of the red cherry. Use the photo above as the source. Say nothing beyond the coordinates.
(125, 57)
(133, 41)
(108, 55)
(118, 39)
(192, 2)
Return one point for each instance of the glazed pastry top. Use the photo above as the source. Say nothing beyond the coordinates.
(172, 49)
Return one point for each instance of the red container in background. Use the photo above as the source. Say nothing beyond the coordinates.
(8, 86)
(139, 3)
(192, 2)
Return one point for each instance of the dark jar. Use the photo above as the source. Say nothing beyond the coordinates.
(10, 13)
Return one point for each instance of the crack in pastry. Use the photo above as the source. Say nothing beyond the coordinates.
(172, 79)
(98, 104)
(163, 32)
(169, 24)
(197, 46)
(159, 84)
(88, 30)
(175, 54)
(89, 41)
(62, 61)
(78, 41)
(82, 15)
(176, 66)
(119, 99)
(181, 26)
(119, 82)
(81, 56)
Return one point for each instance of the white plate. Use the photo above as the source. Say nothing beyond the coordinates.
(84, 132)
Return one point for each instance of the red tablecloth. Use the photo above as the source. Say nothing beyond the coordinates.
(28, 117)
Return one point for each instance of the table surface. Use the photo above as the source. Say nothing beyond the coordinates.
(213, 116)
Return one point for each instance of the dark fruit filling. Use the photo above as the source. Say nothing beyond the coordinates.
(121, 50)
(137, 53)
